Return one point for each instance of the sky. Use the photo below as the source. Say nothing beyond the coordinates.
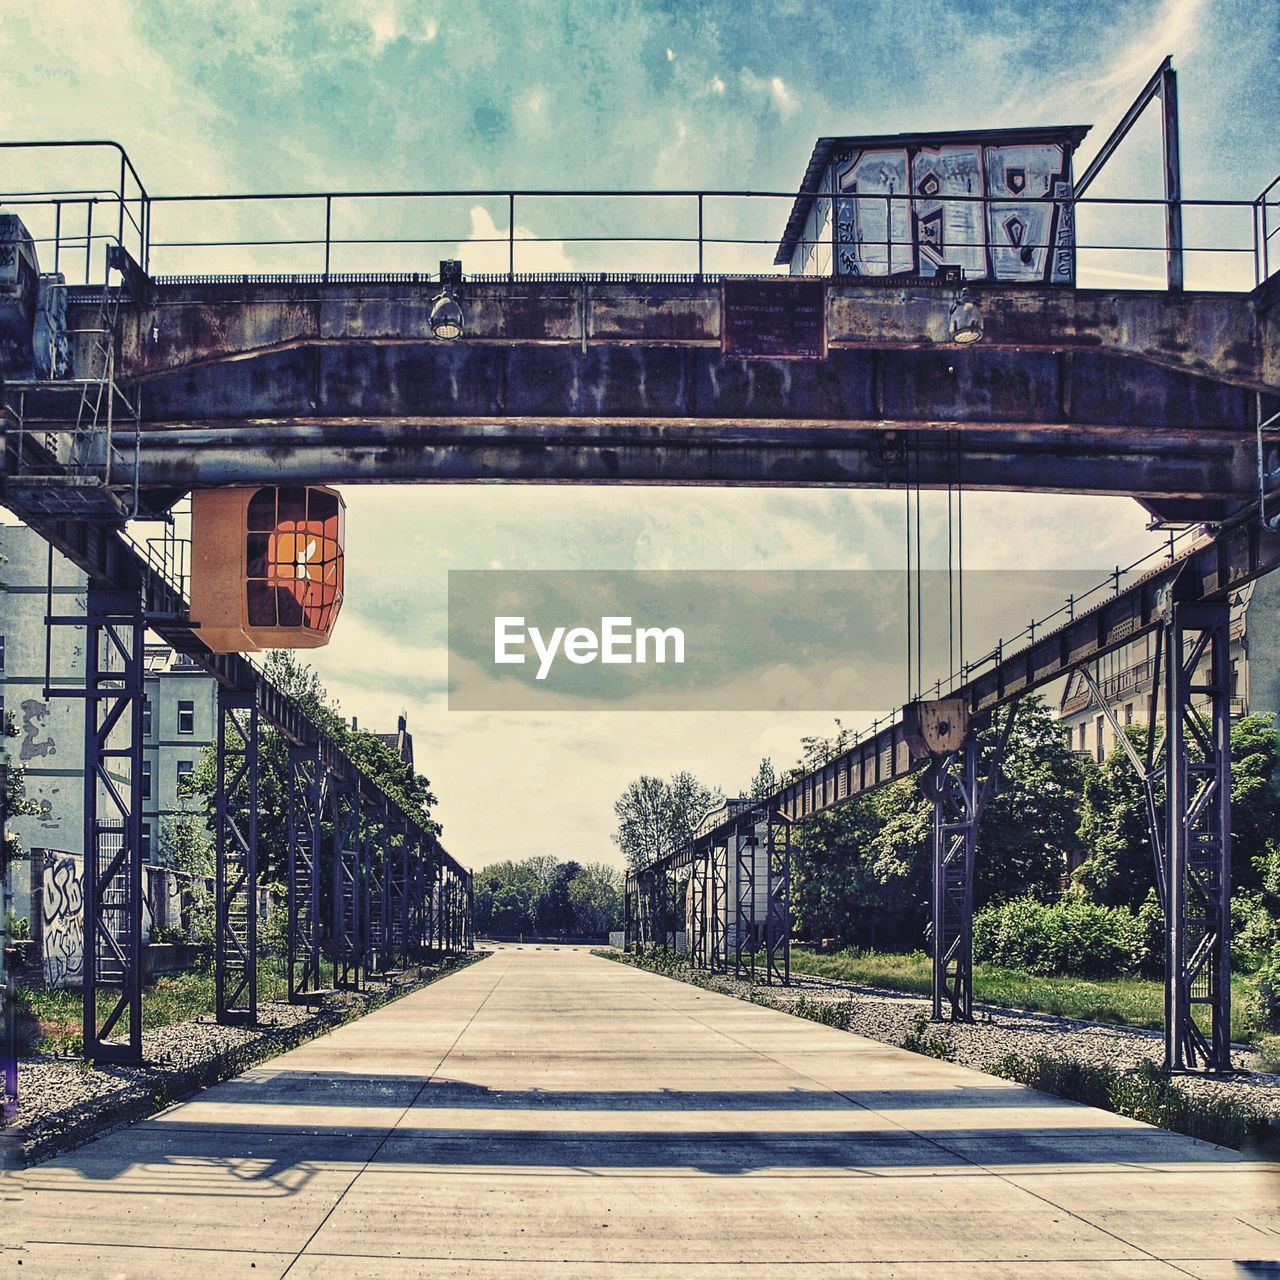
(237, 96)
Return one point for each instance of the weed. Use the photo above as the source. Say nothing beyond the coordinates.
(1148, 1093)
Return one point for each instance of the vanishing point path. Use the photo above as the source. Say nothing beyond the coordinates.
(546, 1113)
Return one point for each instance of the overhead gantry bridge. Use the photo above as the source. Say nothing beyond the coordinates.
(133, 373)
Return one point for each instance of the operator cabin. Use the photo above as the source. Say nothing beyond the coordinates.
(990, 205)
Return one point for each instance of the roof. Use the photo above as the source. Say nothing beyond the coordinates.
(1072, 134)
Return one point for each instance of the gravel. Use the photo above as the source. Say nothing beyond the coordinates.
(64, 1103)
(892, 1016)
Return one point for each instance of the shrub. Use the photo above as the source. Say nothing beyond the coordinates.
(1254, 931)
(1073, 936)
(1269, 991)
(1148, 1093)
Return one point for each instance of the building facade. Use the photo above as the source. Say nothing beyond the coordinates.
(179, 719)
(1124, 678)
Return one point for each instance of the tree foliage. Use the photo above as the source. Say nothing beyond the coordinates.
(542, 897)
(366, 750)
(657, 817)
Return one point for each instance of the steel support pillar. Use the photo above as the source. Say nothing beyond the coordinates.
(1197, 844)
(744, 898)
(718, 865)
(696, 914)
(8, 1030)
(955, 838)
(777, 925)
(307, 786)
(344, 815)
(112, 884)
(959, 786)
(437, 902)
(235, 807)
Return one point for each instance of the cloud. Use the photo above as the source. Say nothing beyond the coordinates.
(1175, 28)
(774, 89)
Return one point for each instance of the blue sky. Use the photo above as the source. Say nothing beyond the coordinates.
(241, 96)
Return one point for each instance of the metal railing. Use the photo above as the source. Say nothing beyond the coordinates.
(696, 233)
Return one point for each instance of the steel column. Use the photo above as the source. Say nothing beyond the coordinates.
(8, 1030)
(1197, 846)
(112, 884)
(959, 788)
(695, 905)
(307, 784)
(955, 834)
(719, 944)
(235, 805)
(344, 814)
(777, 926)
(744, 939)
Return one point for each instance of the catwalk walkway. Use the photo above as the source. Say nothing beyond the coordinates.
(550, 1114)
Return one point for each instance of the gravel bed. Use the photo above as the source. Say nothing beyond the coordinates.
(891, 1016)
(64, 1103)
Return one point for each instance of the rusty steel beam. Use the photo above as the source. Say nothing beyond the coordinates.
(1023, 457)
(1229, 337)
(1209, 572)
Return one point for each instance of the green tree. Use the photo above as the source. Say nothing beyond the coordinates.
(596, 895)
(1115, 829)
(657, 817)
(1255, 807)
(766, 781)
(366, 750)
(554, 914)
(1031, 823)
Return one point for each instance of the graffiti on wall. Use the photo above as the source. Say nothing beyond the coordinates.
(62, 921)
(997, 212)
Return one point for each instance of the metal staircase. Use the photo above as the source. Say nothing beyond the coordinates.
(72, 443)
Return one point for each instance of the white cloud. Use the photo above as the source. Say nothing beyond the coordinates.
(671, 55)
(717, 85)
(774, 88)
(1174, 29)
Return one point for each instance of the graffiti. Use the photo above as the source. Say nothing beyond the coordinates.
(997, 211)
(62, 921)
(34, 715)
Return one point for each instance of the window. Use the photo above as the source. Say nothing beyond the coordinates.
(1101, 752)
(146, 779)
(1128, 713)
(146, 716)
(1084, 729)
(146, 840)
(184, 777)
(1, 653)
(186, 716)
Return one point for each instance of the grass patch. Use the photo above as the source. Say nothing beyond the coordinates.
(1147, 1093)
(1126, 1002)
(51, 1017)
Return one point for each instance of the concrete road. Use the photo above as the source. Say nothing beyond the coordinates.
(551, 1114)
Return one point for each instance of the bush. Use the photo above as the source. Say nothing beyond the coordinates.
(1269, 991)
(1254, 931)
(1148, 1093)
(1073, 936)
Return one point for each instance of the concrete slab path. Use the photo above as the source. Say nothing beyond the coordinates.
(547, 1113)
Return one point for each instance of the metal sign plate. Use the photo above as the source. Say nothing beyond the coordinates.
(774, 319)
